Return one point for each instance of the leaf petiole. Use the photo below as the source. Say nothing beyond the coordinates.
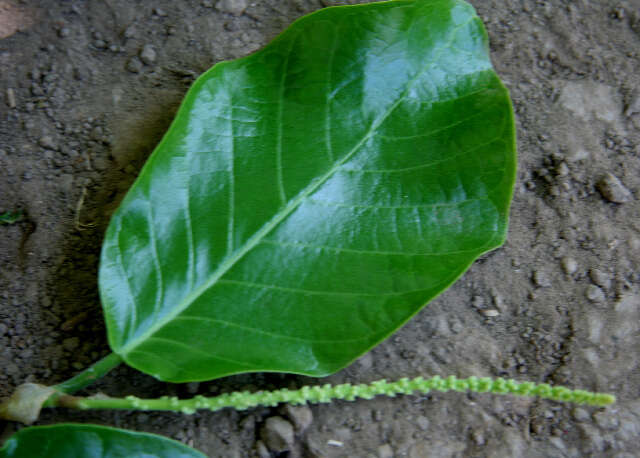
(89, 375)
(25, 403)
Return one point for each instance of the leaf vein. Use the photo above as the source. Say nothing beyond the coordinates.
(367, 252)
(156, 260)
(120, 261)
(267, 333)
(196, 350)
(427, 164)
(232, 185)
(189, 226)
(283, 82)
(327, 116)
(317, 292)
(392, 207)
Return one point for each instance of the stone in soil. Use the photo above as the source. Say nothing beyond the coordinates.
(11, 98)
(541, 279)
(262, 450)
(47, 142)
(606, 419)
(277, 434)
(595, 294)
(579, 414)
(589, 100)
(613, 190)
(569, 265)
(301, 416)
(385, 451)
(134, 65)
(235, 7)
(600, 278)
(633, 107)
(148, 54)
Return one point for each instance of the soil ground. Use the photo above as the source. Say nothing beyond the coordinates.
(81, 109)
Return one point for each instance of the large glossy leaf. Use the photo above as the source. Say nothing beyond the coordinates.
(310, 198)
(91, 441)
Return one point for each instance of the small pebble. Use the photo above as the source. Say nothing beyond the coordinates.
(613, 190)
(47, 142)
(541, 279)
(477, 302)
(148, 54)
(593, 438)
(490, 313)
(422, 422)
(64, 32)
(301, 416)
(595, 294)
(606, 420)
(130, 31)
(569, 265)
(385, 451)
(134, 65)
(235, 7)
(498, 300)
(600, 278)
(633, 107)
(456, 326)
(562, 170)
(262, 450)
(478, 438)
(159, 12)
(11, 98)
(277, 434)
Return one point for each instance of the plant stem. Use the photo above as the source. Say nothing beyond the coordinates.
(25, 403)
(327, 393)
(89, 375)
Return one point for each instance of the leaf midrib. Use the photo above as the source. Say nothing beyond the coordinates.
(280, 216)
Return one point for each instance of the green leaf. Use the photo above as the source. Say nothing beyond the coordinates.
(10, 217)
(91, 441)
(309, 199)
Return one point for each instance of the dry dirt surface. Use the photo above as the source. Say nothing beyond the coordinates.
(87, 88)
